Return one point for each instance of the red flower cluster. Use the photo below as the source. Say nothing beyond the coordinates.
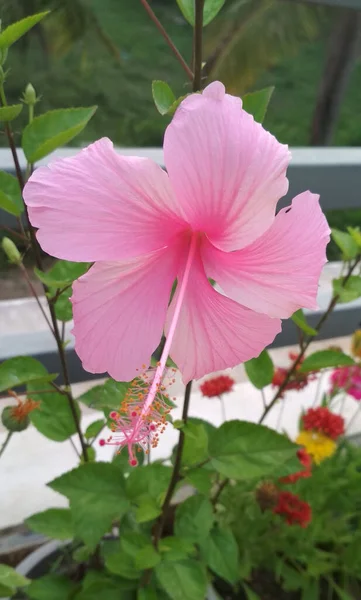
(305, 460)
(323, 420)
(293, 509)
(217, 386)
(297, 381)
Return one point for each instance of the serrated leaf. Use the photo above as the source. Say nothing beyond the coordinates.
(22, 369)
(220, 552)
(349, 291)
(62, 273)
(56, 587)
(194, 518)
(210, 11)
(54, 523)
(346, 243)
(97, 497)
(10, 578)
(15, 31)
(299, 318)
(163, 96)
(242, 450)
(10, 195)
(256, 103)
(94, 428)
(260, 370)
(53, 418)
(182, 580)
(325, 359)
(9, 113)
(52, 130)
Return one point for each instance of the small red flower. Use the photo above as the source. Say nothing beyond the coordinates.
(305, 460)
(217, 386)
(323, 420)
(297, 381)
(293, 509)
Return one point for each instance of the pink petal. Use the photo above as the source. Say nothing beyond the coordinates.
(214, 332)
(119, 312)
(98, 205)
(228, 173)
(279, 272)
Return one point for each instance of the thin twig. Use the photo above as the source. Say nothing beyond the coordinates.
(37, 299)
(169, 41)
(7, 440)
(219, 491)
(198, 45)
(22, 237)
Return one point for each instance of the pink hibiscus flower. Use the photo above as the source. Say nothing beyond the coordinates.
(212, 215)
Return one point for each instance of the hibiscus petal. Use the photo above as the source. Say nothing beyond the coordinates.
(279, 272)
(98, 205)
(119, 312)
(214, 332)
(228, 172)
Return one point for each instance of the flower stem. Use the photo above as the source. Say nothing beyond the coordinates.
(7, 440)
(223, 408)
(169, 41)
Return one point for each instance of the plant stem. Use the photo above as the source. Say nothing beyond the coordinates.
(33, 291)
(197, 45)
(219, 491)
(307, 342)
(158, 530)
(7, 440)
(169, 41)
(223, 408)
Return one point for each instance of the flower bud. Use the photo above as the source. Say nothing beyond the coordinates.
(267, 495)
(30, 95)
(11, 421)
(11, 251)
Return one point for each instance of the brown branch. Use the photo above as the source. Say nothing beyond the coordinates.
(219, 491)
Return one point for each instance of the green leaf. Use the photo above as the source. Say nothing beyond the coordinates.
(182, 580)
(53, 418)
(163, 96)
(148, 481)
(299, 318)
(10, 195)
(346, 243)
(355, 233)
(62, 273)
(148, 510)
(195, 448)
(250, 594)
(101, 586)
(147, 557)
(22, 369)
(53, 129)
(256, 104)
(54, 523)
(9, 578)
(97, 496)
(121, 563)
(175, 548)
(63, 307)
(147, 593)
(220, 552)
(15, 31)
(325, 359)
(94, 428)
(200, 479)
(8, 113)
(5, 592)
(194, 518)
(108, 396)
(56, 587)
(349, 291)
(242, 450)
(211, 9)
(260, 370)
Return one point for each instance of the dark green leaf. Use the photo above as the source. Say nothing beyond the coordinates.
(175, 548)
(10, 578)
(200, 479)
(10, 195)
(148, 510)
(147, 593)
(101, 586)
(108, 396)
(56, 587)
(242, 450)
(23, 369)
(349, 291)
(147, 557)
(97, 496)
(325, 359)
(194, 518)
(53, 418)
(121, 563)
(63, 307)
(62, 273)
(256, 104)
(346, 243)
(211, 9)
(220, 552)
(53, 129)
(163, 96)
(260, 370)
(8, 113)
(299, 318)
(54, 523)
(182, 580)
(94, 429)
(15, 31)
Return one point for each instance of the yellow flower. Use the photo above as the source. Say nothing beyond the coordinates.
(317, 445)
